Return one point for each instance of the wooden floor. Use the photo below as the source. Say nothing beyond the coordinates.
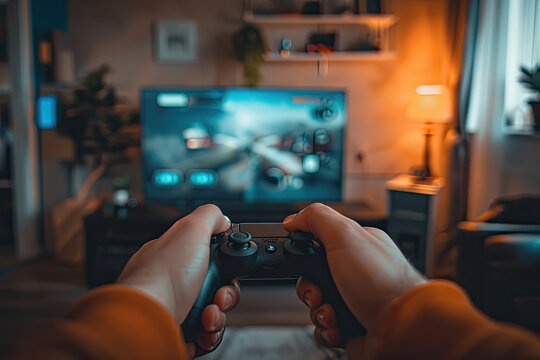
(34, 293)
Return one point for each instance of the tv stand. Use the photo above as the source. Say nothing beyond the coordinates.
(114, 234)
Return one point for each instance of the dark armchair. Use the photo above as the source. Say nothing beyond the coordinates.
(499, 260)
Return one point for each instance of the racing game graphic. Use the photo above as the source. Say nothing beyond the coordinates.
(248, 145)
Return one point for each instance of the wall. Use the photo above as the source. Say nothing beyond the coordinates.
(119, 33)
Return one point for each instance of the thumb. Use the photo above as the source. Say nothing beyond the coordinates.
(323, 222)
(201, 224)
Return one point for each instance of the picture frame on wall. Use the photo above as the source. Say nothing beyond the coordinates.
(175, 41)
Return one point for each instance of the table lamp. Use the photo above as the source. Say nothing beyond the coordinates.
(430, 106)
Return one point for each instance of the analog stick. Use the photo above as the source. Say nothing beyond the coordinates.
(240, 240)
(301, 239)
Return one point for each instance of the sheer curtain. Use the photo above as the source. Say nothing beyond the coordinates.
(508, 36)
(486, 105)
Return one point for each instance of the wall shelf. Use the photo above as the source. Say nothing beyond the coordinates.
(368, 29)
(371, 20)
(337, 56)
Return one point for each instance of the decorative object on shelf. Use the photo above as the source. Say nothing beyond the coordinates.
(530, 78)
(94, 121)
(373, 6)
(285, 49)
(339, 7)
(321, 42)
(175, 42)
(249, 48)
(430, 106)
(277, 7)
(311, 8)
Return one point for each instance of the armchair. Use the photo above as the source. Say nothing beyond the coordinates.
(497, 260)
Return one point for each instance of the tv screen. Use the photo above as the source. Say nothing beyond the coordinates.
(251, 145)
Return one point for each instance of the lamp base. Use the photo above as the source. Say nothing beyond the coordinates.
(422, 175)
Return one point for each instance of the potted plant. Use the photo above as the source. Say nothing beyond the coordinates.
(249, 48)
(94, 119)
(530, 78)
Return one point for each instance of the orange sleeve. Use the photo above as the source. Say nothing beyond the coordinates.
(111, 322)
(437, 321)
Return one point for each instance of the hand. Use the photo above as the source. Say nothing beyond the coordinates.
(369, 270)
(172, 268)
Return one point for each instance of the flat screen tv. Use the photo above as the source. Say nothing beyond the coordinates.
(249, 145)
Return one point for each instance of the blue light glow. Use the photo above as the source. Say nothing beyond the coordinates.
(166, 178)
(46, 108)
(202, 178)
(311, 163)
(172, 100)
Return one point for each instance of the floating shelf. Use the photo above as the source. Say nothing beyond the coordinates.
(337, 56)
(372, 20)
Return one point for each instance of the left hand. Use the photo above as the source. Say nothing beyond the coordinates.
(172, 269)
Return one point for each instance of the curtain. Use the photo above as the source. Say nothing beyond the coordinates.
(455, 146)
(485, 113)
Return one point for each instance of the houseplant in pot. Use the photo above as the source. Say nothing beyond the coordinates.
(530, 78)
(249, 48)
(102, 130)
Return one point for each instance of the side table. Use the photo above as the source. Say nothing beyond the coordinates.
(412, 212)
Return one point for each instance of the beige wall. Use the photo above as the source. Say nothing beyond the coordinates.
(119, 33)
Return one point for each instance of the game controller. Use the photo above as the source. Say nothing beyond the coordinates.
(267, 251)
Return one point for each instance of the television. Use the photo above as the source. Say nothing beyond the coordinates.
(245, 145)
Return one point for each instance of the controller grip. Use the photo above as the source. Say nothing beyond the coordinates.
(347, 323)
(192, 325)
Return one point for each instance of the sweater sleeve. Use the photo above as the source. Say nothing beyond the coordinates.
(437, 321)
(111, 322)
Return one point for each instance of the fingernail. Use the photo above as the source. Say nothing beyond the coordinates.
(228, 301)
(307, 298)
(319, 316)
(229, 220)
(218, 341)
(324, 335)
(288, 219)
(217, 321)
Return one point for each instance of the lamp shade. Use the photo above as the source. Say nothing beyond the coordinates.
(431, 104)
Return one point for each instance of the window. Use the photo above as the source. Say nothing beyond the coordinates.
(523, 49)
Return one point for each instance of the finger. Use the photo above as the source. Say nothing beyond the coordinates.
(324, 316)
(328, 337)
(323, 222)
(191, 349)
(227, 297)
(309, 293)
(213, 319)
(208, 341)
(201, 224)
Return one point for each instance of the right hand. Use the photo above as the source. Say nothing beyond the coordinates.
(368, 268)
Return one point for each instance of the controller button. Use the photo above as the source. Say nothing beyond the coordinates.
(216, 238)
(240, 239)
(270, 248)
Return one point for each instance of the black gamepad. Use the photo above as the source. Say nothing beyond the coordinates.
(263, 251)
